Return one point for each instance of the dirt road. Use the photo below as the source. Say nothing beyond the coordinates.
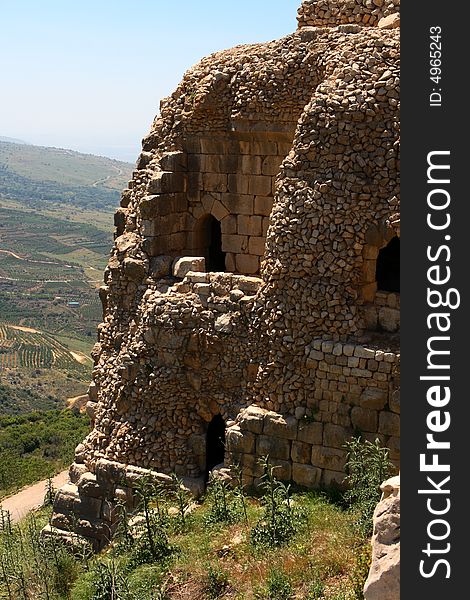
(31, 497)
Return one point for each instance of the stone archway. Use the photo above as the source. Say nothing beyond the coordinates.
(388, 267)
(208, 243)
(380, 288)
(215, 444)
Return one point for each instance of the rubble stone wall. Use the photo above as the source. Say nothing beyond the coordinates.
(330, 13)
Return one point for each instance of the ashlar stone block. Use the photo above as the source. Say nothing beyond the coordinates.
(389, 423)
(240, 442)
(249, 225)
(278, 426)
(259, 185)
(334, 436)
(263, 205)
(301, 453)
(311, 433)
(273, 447)
(333, 459)
(252, 419)
(306, 475)
(247, 263)
(364, 419)
(256, 245)
(234, 243)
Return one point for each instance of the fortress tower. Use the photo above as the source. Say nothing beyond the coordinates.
(251, 302)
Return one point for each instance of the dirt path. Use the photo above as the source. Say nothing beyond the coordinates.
(102, 181)
(79, 357)
(39, 262)
(31, 497)
(25, 329)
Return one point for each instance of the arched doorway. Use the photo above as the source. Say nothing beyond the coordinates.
(388, 267)
(215, 444)
(208, 243)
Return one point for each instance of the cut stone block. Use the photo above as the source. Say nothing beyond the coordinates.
(306, 475)
(256, 246)
(234, 243)
(259, 185)
(263, 205)
(252, 419)
(311, 433)
(273, 447)
(332, 459)
(239, 442)
(364, 419)
(276, 425)
(301, 453)
(246, 263)
(183, 265)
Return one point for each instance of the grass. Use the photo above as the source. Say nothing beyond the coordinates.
(179, 550)
(323, 561)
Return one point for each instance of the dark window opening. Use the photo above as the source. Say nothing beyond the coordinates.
(215, 444)
(216, 256)
(388, 267)
(209, 243)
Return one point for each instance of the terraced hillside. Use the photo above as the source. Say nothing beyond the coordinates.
(29, 348)
(56, 223)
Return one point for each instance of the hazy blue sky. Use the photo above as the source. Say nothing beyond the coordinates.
(89, 74)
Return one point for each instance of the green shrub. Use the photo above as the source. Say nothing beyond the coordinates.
(34, 446)
(149, 540)
(33, 567)
(281, 520)
(367, 467)
(217, 582)
(183, 501)
(105, 581)
(225, 505)
(316, 590)
(278, 586)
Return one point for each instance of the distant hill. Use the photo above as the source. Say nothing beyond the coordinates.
(37, 176)
(11, 140)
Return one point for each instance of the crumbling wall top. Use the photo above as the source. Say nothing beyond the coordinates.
(330, 13)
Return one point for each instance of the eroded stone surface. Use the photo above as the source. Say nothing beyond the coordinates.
(383, 582)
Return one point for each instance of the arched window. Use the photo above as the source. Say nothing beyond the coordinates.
(388, 267)
(215, 444)
(208, 243)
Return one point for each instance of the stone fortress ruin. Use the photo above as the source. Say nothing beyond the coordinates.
(251, 301)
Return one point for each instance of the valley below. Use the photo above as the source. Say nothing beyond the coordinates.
(56, 224)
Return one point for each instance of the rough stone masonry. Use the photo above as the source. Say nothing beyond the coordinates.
(251, 302)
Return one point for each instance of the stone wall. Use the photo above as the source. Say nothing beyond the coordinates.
(229, 177)
(330, 13)
(87, 507)
(355, 393)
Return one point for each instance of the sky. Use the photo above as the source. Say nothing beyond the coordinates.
(89, 74)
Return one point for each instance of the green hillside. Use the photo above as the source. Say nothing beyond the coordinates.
(56, 230)
(37, 175)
